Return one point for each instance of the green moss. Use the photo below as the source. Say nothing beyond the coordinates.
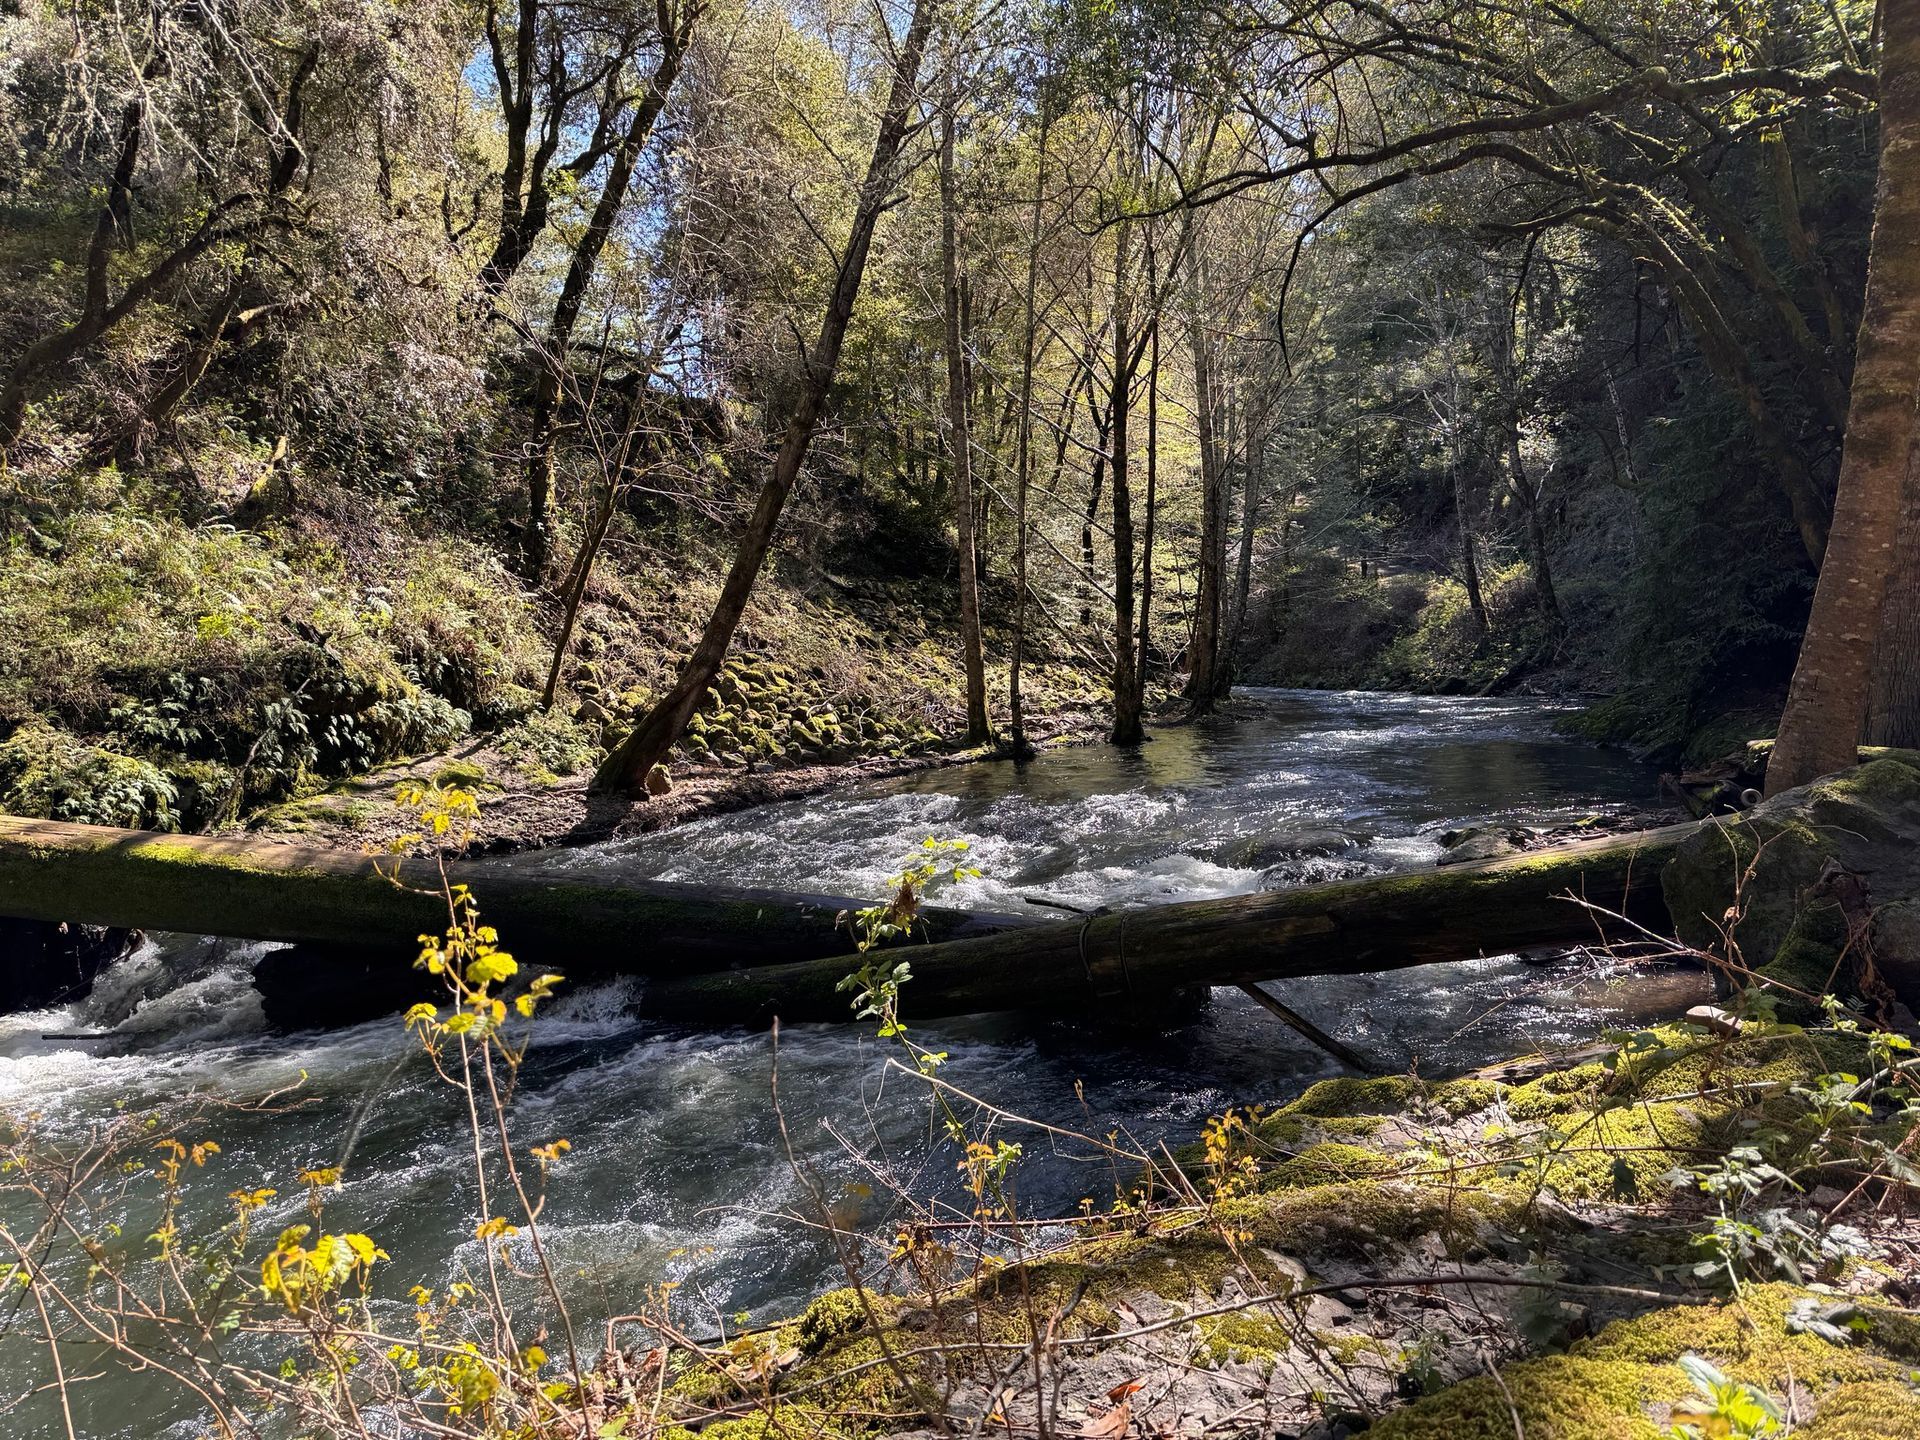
(836, 1314)
(1355, 1219)
(1245, 1337)
(1328, 1163)
(1604, 1388)
(1348, 1095)
(1559, 1396)
(460, 774)
(1464, 1097)
(1867, 1410)
(1748, 1339)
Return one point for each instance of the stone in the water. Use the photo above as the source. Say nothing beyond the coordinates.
(1263, 854)
(1483, 842)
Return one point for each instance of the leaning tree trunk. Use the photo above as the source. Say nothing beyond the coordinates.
(1833, 682)
(110, 224)
(627, 767)
(960, 435)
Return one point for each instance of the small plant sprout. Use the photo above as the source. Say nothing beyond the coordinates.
(1722, 1409)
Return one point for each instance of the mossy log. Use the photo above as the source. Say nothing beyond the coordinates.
(715, 954)
(1385, 922)
(260, 890)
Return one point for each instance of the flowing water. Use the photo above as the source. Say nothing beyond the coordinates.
(679, 1168)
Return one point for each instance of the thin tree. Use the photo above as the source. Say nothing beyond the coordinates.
(1203, 653)
(960, 438)
(1833, 682)
(1127, 729)
(542, 72)
(1023, 463)
(627, 767)
(1153, 491)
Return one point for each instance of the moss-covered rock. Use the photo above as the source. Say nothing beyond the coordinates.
(1754, 884)
(1620, 1384)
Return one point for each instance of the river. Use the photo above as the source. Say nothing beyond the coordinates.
(678, 1168)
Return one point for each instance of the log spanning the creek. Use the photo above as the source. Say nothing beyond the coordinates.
(714, 954)
(356, 930)
(1137, 957)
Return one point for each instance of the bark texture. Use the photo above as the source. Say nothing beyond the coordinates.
(1833, 681)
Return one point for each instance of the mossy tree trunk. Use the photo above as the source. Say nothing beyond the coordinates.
(1385, 922)
(261, 890)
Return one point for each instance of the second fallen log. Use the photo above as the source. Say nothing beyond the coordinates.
(1386, 922)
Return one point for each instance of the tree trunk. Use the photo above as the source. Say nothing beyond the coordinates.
(1126, 694)
(1144, 653)
(1469, 561)
(1102, 435)
(1203, 654)
(1016, 717)
(960, 442)
(1528, 494)
(710, 952)
(255, 889)
(1833, 682)
(627, 767)
(193, 366)
(1893, 715)
(1382, 922)
(1249, 522)
(109, 225)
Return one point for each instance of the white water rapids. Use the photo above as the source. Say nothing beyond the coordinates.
(678, 1169)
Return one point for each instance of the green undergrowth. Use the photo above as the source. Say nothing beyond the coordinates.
(1616, 1130)
(1402, 632)
(175, 674)
(173, 671)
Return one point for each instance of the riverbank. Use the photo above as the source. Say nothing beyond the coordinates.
(1547, 1248)
(169, 671)
(1701, 1227)
(712, 1176)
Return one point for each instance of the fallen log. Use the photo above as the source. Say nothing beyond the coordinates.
(717, 954)
(1384, 922)
(260, 890)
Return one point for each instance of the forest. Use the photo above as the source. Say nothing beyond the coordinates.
(1345, 541)
(378, 381)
